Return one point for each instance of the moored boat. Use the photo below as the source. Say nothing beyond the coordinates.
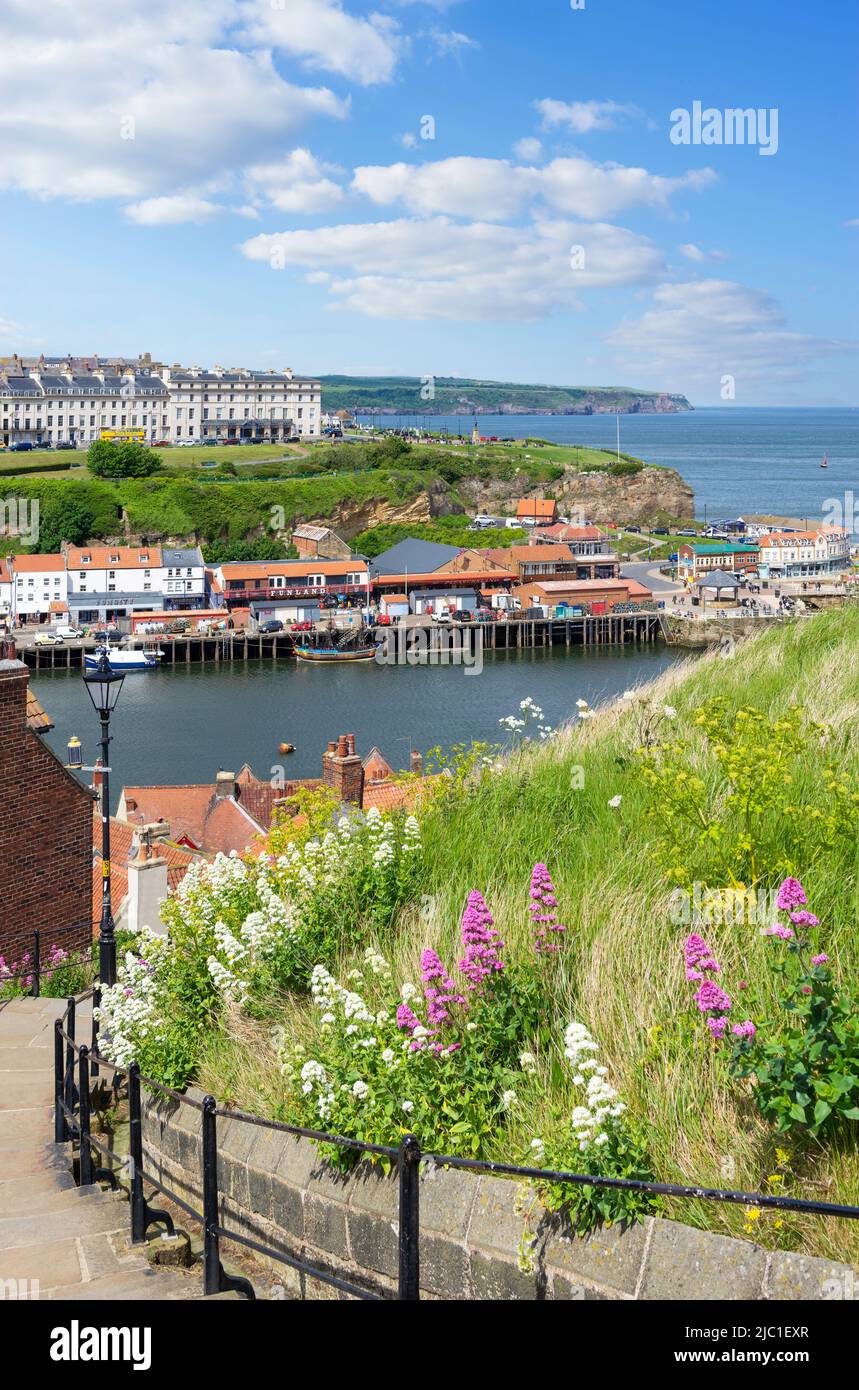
(122, 659)
(333, 646)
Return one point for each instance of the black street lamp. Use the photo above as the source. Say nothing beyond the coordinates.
(104, 685)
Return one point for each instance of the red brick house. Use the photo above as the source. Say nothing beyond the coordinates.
(45, 832)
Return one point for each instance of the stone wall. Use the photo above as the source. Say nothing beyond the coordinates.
(275, 1189)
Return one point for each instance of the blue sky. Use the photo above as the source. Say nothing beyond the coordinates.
(246, 182)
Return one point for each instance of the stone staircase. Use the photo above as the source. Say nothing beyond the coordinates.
(58, 1240)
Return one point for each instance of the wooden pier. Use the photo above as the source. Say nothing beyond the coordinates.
(185, 649)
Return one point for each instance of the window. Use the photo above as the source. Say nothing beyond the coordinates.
(316, 581)
(355, 578)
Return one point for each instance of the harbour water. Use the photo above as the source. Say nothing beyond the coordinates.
(182, 724)
(739, 460)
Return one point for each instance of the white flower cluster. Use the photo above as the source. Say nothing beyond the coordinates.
(128, 1009)
(601, 1101)
(530, 712)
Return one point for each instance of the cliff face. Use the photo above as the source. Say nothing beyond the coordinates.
(647, 495)
(348, 519)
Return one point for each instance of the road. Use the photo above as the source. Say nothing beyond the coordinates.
(647, 573)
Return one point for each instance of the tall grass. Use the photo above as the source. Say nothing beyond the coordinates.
(621, 973)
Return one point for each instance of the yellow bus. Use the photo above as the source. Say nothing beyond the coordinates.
(124, 436)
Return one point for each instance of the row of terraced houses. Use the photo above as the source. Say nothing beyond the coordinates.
(74, 400)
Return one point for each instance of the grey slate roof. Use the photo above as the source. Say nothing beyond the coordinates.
(181, 557)
(416, 556)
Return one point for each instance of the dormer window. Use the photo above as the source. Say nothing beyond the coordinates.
(85, 559)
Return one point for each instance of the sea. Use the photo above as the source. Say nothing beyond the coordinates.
(740, 460)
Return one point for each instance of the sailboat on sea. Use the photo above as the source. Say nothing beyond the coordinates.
(825, 461)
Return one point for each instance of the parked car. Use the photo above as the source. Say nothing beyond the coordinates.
(188, 444)
(48, 639)
(71, 634)
(160, 444)
(66, 444)
(211, 443)
(271, 625)
(687, 533)
(304, 626)
(661, 531)
(635, 530)
(463, 615)
(21, 446)
(442, 616)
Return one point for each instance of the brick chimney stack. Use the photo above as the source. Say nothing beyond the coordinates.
(225, 784)
(342, 770)
(416, 763)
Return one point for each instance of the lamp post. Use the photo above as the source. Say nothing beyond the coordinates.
(103, 686)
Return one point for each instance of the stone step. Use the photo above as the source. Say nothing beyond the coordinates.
(40, 1194)
(147, 1286)
(15, 1057)
(95, 1216)
(34, 1158)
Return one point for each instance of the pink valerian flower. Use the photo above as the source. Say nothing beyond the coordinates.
(717, 1026)
(804, 919)
(481, 941)
(820, 960)
(543, 910)
(406, 1019)
(784, 933)
(698, 957)
(791, 894)
(806, 989)
(744, 1030)
(711, 997)
(438, 996)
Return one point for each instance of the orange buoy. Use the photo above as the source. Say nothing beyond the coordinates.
(286, 748)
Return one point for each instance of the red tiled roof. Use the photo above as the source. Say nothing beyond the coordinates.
(562, 532)
(32, 564)
(99, 557)
(37, 720)
(121, 843)
(438, 578)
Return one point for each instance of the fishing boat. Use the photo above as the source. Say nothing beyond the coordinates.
(122, 659)
(333, 645)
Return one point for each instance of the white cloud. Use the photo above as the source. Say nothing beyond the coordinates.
(138, 100)
(171, 210)
(528, 149)
(583, 116)
(853, 222)
(697, 254)
(296, 183)
(699, 331)
(497, 189)
(448, 43)
(326, 37)
(434, 268)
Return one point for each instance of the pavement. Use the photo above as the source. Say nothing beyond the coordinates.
(57, 1240)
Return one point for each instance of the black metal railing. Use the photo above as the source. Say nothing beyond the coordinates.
(35, 970)
(73, 1122)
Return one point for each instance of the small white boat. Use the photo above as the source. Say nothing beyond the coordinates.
(121, 659)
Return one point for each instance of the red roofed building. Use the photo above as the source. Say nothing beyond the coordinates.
(540, 510)
(45, 830)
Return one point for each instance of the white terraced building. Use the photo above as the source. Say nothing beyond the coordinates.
(74, 400)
